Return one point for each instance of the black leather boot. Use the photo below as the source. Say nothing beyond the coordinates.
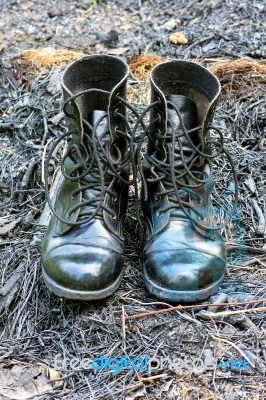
(82, 250)
(184, 252)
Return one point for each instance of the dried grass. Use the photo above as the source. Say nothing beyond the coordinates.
(141, 65)
(239, 66)
(43, 59)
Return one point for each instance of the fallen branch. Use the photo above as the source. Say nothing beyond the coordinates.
(195, 306)
(227, 313)
(150, 378)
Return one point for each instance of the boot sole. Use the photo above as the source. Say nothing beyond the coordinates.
(180, 296)
(72, 294)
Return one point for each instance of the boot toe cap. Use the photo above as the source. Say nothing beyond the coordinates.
(186, 270)
(82, 271)
(181, 271)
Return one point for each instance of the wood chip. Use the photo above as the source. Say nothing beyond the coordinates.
(178, 38)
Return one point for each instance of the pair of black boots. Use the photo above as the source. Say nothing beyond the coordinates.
(183, 251)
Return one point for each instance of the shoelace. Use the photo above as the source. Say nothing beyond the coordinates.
(179, 168)
(100, 166)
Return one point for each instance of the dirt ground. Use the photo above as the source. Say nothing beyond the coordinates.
(39, 330)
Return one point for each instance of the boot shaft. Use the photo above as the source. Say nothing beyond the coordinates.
(177, 170)
(95, 83)
(183, 83)
(96, 163)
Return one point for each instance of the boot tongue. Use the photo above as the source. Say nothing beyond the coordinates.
(102, 128)
(188, 112)
(101, 119)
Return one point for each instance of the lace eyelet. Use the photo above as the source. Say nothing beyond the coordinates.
(116, 112)
(114, 217)
(199, 201)
(115, 154)
(115, 199)
(116, 130)
(159, 118)
(159, 213)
